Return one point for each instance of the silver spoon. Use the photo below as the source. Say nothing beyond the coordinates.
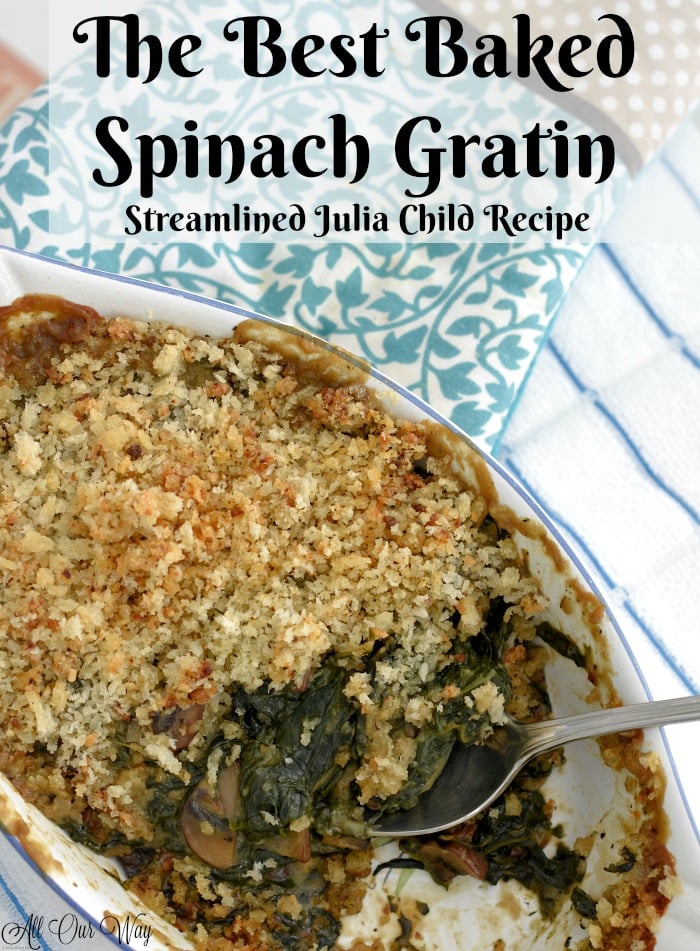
(475, 775)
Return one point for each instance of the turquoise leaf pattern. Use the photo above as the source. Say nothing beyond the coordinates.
(192, 254)
(470, 417)
(20, 182)
(313, 296)
(349, 290)
(390, 303)
(511, 353)
(275, 299)
(516, 281)
(299, 263)
(459, 382)
(405, 348)
(467, 326)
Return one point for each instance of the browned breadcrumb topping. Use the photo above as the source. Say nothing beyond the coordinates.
(628, 912)
(179, 516)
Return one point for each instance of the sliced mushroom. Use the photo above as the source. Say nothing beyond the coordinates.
(178, 722)
(450, 859)
(293, 845)
(345, 842)
(206, 819)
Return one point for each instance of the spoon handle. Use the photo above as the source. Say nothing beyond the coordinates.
(550, 734)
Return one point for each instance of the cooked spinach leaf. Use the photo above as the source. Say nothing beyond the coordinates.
(511, 846)
(502, 845)
(490, 642)
(300, 751)
(457, 682)
(432, 752)
(628, 861)
(293, 759)
(584, 904)
(562, 644)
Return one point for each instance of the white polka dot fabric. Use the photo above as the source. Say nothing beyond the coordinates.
(664, 83)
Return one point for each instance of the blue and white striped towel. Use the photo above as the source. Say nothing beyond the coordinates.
(607, 432)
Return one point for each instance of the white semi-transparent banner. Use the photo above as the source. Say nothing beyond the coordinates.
(351, 120)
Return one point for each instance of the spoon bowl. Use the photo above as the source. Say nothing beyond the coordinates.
(475, 775)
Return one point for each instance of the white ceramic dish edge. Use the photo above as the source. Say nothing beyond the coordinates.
(21, 272)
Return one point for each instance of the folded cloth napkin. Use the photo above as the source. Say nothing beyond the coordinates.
(606, 435)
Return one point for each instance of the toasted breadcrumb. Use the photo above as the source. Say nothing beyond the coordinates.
(166, 536)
